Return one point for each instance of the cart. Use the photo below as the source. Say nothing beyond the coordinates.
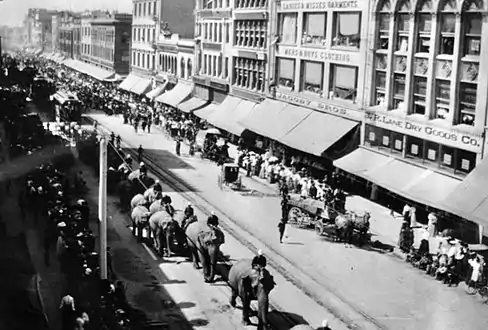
(304, 212)
(229, 176)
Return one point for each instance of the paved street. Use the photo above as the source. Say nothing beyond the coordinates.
(377, 286)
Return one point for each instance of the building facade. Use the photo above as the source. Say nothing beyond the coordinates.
(55, 32)
(85, 51)
(249, 35)
(317, 54)
(213, 49)
(66, 36)
(145, 33)
(110, 42)
(76, 28)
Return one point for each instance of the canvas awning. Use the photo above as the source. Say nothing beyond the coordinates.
(88, 69)
(157, 91)
(317, 132)
(413, 182)
(129, 82)
(142, 86)
(177, 95)
(193, 104)
(274, 119)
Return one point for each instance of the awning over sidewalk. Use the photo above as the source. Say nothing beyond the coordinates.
(142, 86)
(274, 119)
(318, 132)
(227, 115)
(175, 96)
(88, 69)
(193, 104)
(413, 182)
(206, 111)
(157, 91)
(470, 199)
(129, 82)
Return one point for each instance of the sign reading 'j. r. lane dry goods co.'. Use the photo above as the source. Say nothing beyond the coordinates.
(452, 138)
(319, 55)
(318, 5)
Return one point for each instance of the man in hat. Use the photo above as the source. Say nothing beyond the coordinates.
(140, 152)
(189, 211)
(213, 220)
(259, 261)
(281, 228)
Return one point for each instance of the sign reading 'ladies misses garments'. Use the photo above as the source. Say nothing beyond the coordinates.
(318, 5)
(452, 138)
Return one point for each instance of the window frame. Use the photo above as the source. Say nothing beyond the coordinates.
(305, 26)
(278, 74)
(281, 18)
(303, 78)
(336, 28)
(332, 84)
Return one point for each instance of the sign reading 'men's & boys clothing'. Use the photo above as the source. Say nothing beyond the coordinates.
(448, 137)
(337, 56)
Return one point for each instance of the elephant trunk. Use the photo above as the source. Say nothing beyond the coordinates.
(263, 307)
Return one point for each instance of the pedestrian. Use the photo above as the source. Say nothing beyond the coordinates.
(284, 207)
(118, 141)
(135, 125)
(143, 125)
(67, 309)
(432, 224)
(178, 145)
(406, 239)
(140, 152)
(281, 229)
(149, 123)
(192, 148)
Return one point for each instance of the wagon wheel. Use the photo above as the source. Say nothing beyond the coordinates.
(294, 216)
(319, 228)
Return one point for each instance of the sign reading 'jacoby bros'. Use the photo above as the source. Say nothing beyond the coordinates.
(461, 140)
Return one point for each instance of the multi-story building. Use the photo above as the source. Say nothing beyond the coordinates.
(66, 41)
(145, 34)
(426, 109)
(76, 28)
(110, 42)
(55, 32)
(86, 18)
(38, 27)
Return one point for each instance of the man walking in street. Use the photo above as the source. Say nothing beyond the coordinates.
(178, 145)
(281, 229)
(140, 151)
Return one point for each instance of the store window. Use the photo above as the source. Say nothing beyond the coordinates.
(467, 103)
(397, 142)
(343, 83)
(288, 28)
(415, 148)
(313, 81)
(442, 97)
(286, 74)
(373, 136)
(314, 29)
(448, 27)
(432, 154)
(420, 95)
(447, 157)
(472, 33)
(347, 27)
(465, 162)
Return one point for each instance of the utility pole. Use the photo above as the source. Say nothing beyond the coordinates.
(102, 208)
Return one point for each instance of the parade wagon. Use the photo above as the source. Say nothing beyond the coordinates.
(229, 177)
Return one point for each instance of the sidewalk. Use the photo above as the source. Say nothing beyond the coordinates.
(358, 276)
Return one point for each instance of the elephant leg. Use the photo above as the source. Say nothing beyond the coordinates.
(168, 239)
(155, 234)
(193, 255)
(140, 228)
(205, 264)
(246, 307)
(233, 297)
(134, 227)
(161, 241)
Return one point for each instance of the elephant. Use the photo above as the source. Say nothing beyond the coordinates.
(152, 195)
(125, 194)
(137, 200)
(162, 205)
(204, 242)
(163, 224)
(251, 283)
(139, 216)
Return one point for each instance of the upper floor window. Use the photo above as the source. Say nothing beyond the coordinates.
(472, 33)
(288, 28)
(447, 28)
(251, 3)
(384, 18)
(424, 22)
(347, 27)
(144, 9)
(285, 73)
(208, 4)
(312, 81)
(344, 82)
(314, 27)
(403, 26)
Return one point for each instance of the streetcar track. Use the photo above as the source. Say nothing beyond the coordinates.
(185, 189)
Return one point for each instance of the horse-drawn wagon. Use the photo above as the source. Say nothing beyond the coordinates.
(327, 221)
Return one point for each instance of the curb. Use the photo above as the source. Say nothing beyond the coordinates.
(41, 300)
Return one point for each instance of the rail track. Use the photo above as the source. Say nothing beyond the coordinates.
(276, 260)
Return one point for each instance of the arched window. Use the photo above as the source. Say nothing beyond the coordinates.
(470, 47)
(424, 22)
(382, 45)
(182, 69)
(189, 68)
(447, 27)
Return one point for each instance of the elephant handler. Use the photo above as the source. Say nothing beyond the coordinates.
(259, 261)
(189, 212)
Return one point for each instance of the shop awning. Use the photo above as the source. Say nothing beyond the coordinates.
(408, 180)
(38, 52)
(274, 119)
(318, 132)
(142, 86)
(88, 69)
(157, 91)
(129, 82)
(175, 96)
(193, 104)
(206, 111)
(470, 199)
